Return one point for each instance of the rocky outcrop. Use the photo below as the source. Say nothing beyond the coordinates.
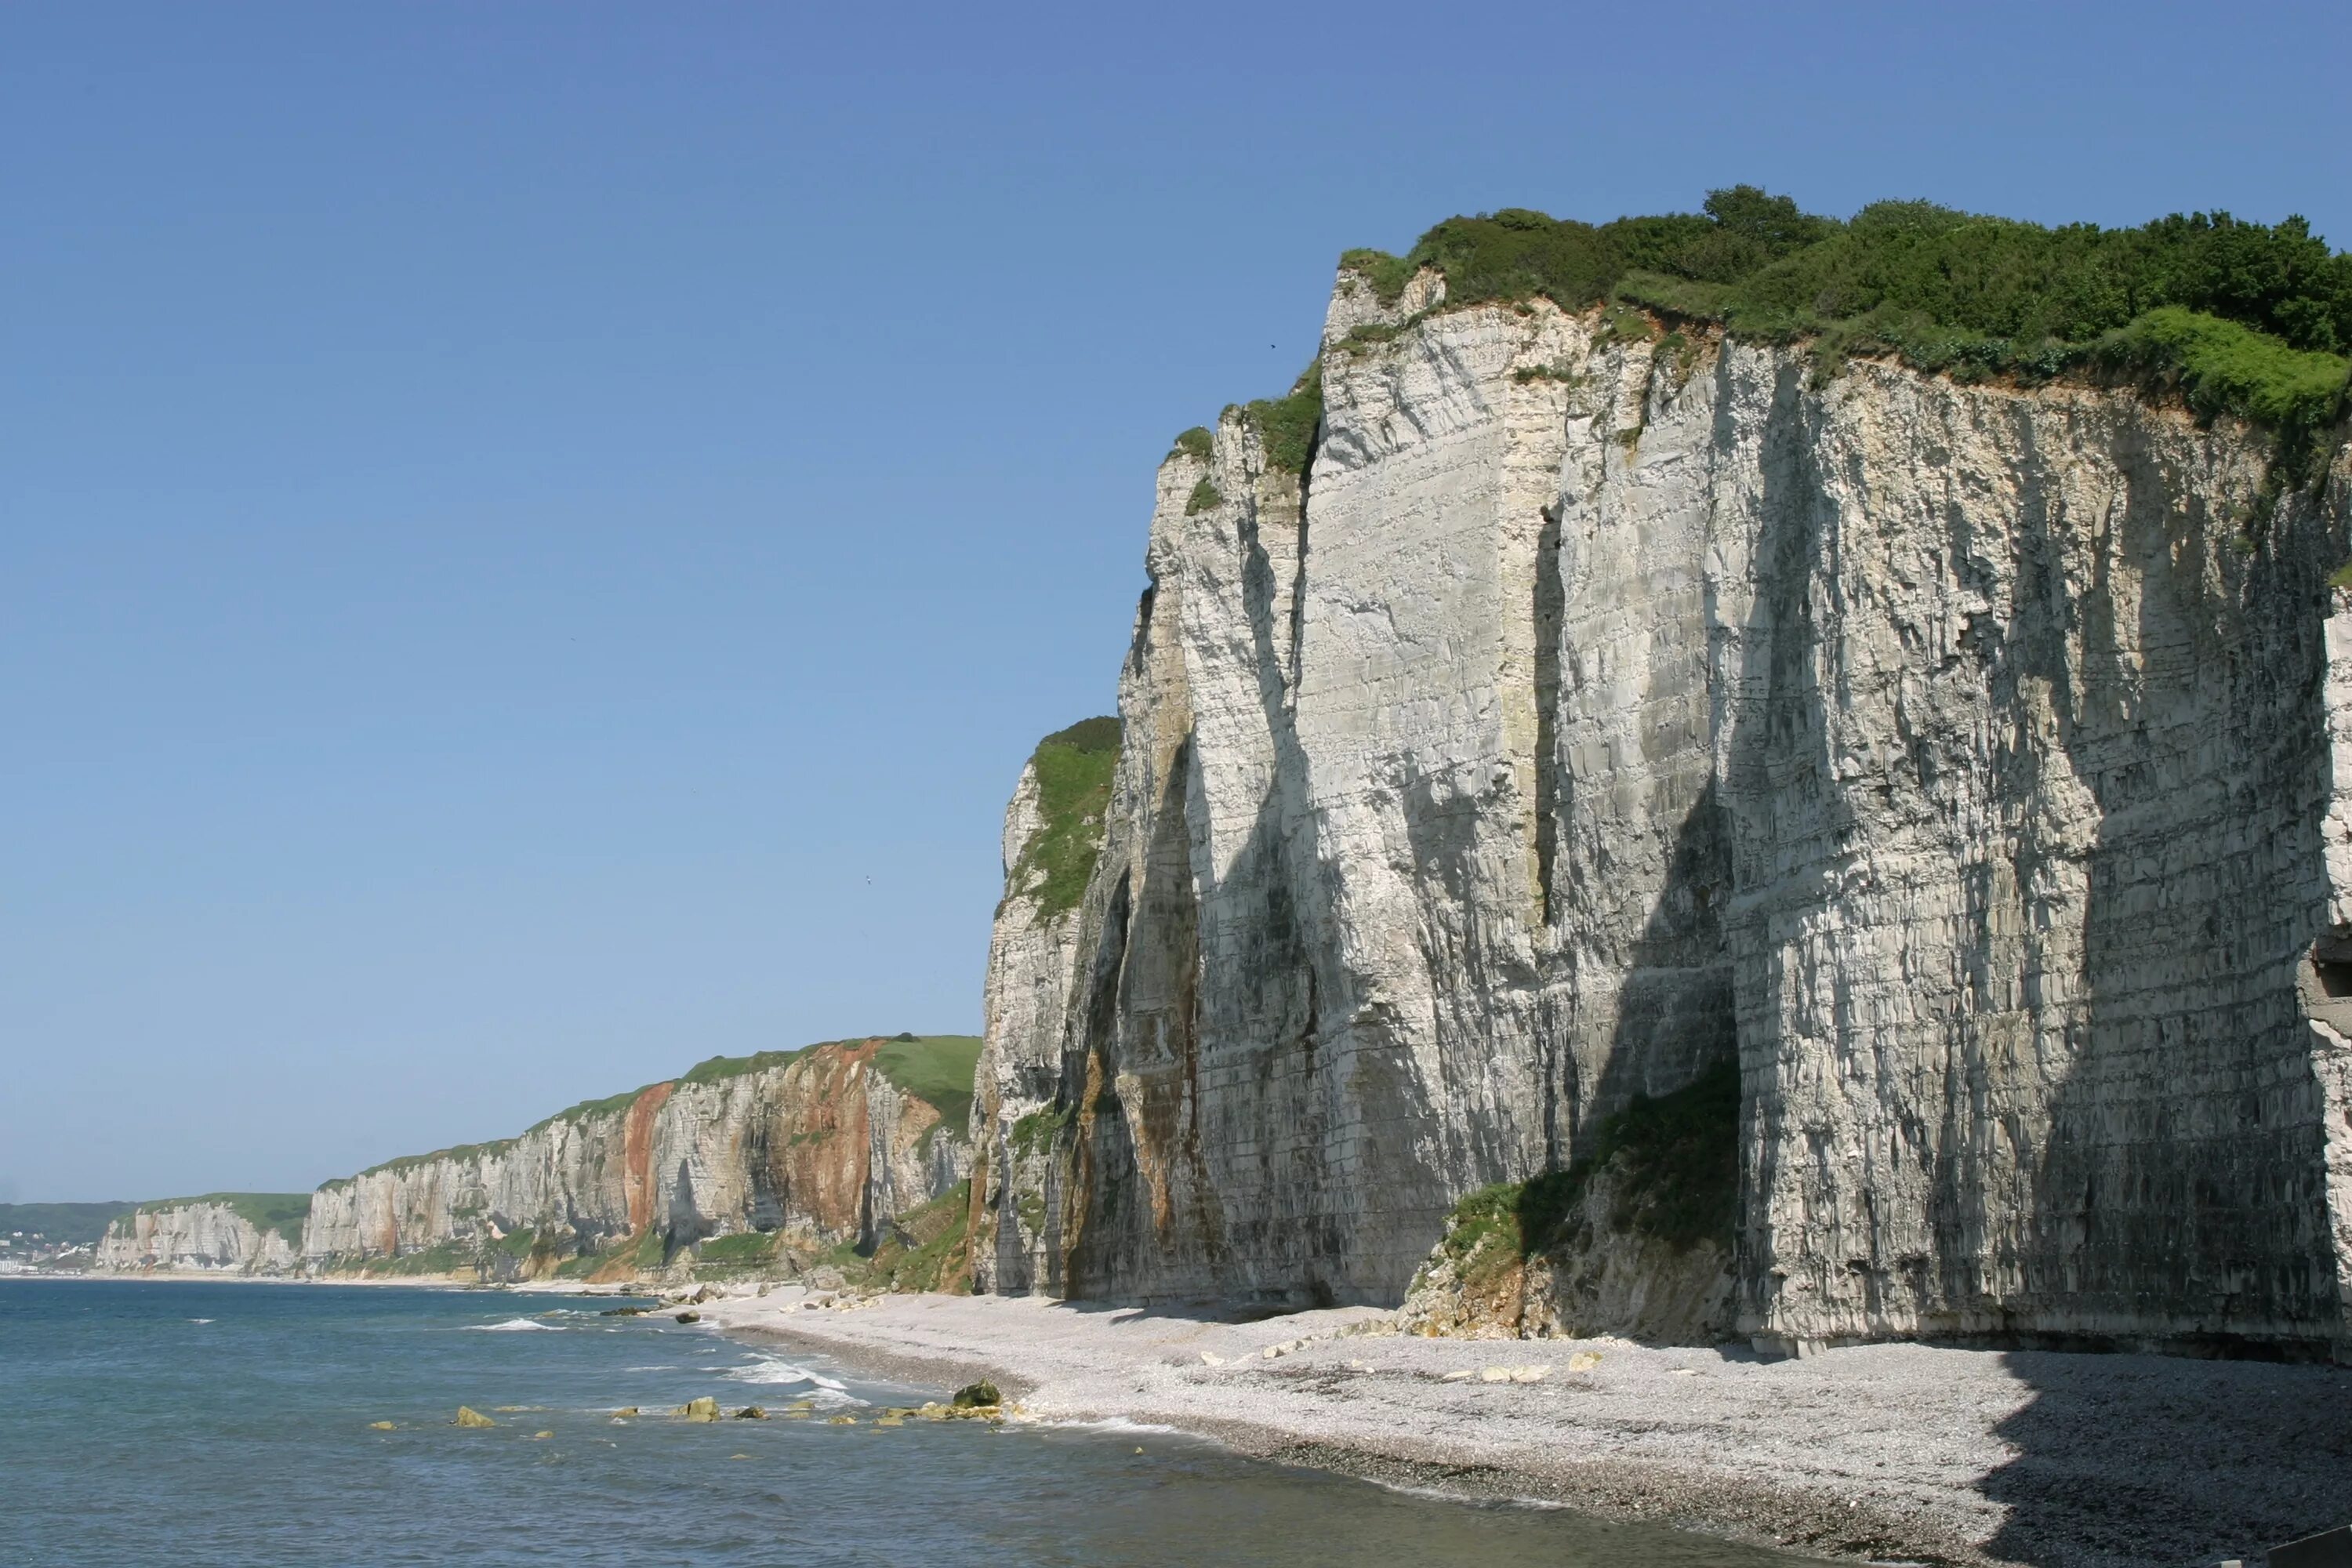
(1590, 704)
(257, 1234)
(811, 1149)
(1018, 1094)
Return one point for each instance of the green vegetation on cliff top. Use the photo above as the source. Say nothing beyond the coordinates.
(2240, 318)
(1074, 769)
(281, 1211)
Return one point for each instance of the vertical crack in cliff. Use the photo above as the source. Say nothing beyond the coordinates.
(1549, 601)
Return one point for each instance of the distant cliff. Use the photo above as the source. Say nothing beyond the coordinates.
(1547, 706)
(850, 1153)
(219, 1233)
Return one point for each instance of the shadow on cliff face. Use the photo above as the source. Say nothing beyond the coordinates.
(2128, 1461)
(2178, 1200)
(2180, 1195)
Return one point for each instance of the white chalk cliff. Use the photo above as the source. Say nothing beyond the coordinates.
(1971, 765)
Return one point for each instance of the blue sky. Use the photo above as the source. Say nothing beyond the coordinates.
(534, 539)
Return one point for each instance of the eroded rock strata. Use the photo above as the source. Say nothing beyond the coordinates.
(1587, 704)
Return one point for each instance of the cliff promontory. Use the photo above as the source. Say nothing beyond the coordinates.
(220, 1233)
(848, 1154)
(1886, 671)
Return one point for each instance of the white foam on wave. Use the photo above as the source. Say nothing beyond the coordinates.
(200, 1320)
(512, 1326)
(1104, 1424)
(825, 1392)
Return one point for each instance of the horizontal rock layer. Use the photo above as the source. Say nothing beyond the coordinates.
(1962, 760)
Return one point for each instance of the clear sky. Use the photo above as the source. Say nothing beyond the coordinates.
(534, 540)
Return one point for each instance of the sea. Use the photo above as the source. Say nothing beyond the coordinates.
(173, 1424)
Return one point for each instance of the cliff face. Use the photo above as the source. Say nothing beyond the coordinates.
(816, 1150)
(765, 1164)
(1962, 761)
(245, 1232)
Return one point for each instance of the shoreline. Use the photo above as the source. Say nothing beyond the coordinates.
(1879, 1453)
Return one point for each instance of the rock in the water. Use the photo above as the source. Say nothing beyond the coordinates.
(703, 1409)
(750, 1412)
(384, 1427)
(469, 1416)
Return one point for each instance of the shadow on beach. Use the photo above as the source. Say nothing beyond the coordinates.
(2140, 1461)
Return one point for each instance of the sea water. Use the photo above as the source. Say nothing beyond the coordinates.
(187, 1425)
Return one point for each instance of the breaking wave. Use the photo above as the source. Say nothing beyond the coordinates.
(512, 1326)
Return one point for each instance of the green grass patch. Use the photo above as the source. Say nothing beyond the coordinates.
(459, 1151)
(745, 1249)
(447, 1258)
(718, 1070)
(1034, 1133)
(285, 1213)
(939, 1230)
(1205, 497)
(936, 1069)
(1074, 770)
(1194, 443)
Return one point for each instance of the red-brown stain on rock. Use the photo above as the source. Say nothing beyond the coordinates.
(637, 1155)
(821, 1137)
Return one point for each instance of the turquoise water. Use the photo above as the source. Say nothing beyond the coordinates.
(172, 1426)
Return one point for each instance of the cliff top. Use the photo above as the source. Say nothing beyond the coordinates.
(281, 1211)
(936, 1069)
(1074, 769)
(2242, 317)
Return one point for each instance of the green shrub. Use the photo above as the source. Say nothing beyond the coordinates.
(1673, 1162)
(1287, 424)
(1204, 497)
(1194, 443)
(1073, 768)
(2247, 318)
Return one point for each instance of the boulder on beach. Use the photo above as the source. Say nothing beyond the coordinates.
(977, 1397)
(469, 1416)
(689, 1317)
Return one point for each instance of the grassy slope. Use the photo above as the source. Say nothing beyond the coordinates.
(935, 1069)
(1073, 774)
